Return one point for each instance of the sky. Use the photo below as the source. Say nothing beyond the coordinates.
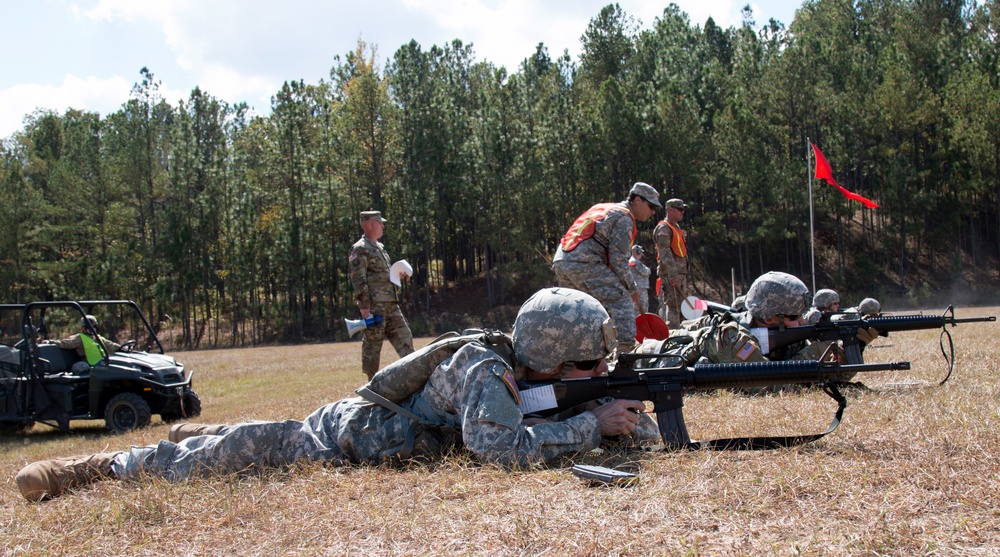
(87, 54)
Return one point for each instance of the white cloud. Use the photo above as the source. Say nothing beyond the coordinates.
(242, 50)
(89, 93)
(174, 17)
(225, 83)
(195, 33)
(507, 31)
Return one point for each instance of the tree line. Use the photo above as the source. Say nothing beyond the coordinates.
(236, 226)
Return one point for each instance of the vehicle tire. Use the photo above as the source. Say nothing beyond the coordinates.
(192, 407)
(125, 412)
(16, 427)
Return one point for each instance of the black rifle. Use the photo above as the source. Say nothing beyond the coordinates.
(845, 329)
(665, 386)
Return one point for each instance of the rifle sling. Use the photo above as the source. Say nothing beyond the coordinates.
(411, 431)
(949, 357)
(764, 443)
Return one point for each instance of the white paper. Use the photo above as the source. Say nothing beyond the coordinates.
(397, 269)
(538, 399)
(762, 339)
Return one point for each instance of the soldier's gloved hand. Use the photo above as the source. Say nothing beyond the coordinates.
(867, 334)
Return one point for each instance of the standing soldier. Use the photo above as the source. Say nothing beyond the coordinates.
(640, 272)
(593, 256)
(671, 263)
(376, 296)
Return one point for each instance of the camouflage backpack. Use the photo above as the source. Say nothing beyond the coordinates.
(404, 377)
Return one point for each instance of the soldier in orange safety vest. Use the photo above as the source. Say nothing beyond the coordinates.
(671, 263)
(594, 253)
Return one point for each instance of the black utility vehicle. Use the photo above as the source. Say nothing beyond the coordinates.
(38, 382)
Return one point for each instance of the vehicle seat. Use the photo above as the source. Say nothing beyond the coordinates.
(60, 360)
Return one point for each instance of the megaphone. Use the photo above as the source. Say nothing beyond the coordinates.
(354, 326)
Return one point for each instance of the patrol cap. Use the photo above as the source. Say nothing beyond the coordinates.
(677, 203)
(369, 215)
(84, 320)
(646, 192)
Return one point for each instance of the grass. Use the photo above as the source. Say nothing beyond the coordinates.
(912, 470)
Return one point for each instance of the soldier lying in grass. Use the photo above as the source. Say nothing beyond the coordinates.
(469, 399)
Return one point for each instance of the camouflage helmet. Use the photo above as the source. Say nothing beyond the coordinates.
(825, 298)
(776, 293)
(91, 319)
(869, 306)
(812, 316)
(558, 325)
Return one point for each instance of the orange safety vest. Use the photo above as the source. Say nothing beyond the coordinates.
(677, 244)
(583, 227)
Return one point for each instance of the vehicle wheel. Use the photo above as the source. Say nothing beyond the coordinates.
(16, 427)
(192, 407)
(125, 412)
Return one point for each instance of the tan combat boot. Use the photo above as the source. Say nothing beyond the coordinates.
(180, 432)
(51, 478)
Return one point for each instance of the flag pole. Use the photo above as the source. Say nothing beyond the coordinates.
(812, 249)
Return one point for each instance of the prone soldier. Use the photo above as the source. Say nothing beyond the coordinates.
(468, 399)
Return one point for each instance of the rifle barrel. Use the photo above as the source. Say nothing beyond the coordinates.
(762, 374)
(917, 322)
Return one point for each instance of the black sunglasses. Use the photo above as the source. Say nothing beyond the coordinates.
(585, 365)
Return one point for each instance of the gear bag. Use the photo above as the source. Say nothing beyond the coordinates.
(404, 377)
(399, 380)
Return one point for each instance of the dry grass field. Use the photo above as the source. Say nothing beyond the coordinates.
(913, 470)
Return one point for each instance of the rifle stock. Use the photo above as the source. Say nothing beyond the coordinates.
(665, 386)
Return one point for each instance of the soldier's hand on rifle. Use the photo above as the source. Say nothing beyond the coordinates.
(619, 417)
(867, 334)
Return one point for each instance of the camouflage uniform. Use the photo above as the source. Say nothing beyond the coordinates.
(471, 398)
(640, 273)
(723, 340)
(369, 264)
(670, 265)
(729, 338)
(599, 266)
(75, 342)
(822, 303)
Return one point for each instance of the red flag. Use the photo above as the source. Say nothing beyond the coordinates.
(824, 171)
